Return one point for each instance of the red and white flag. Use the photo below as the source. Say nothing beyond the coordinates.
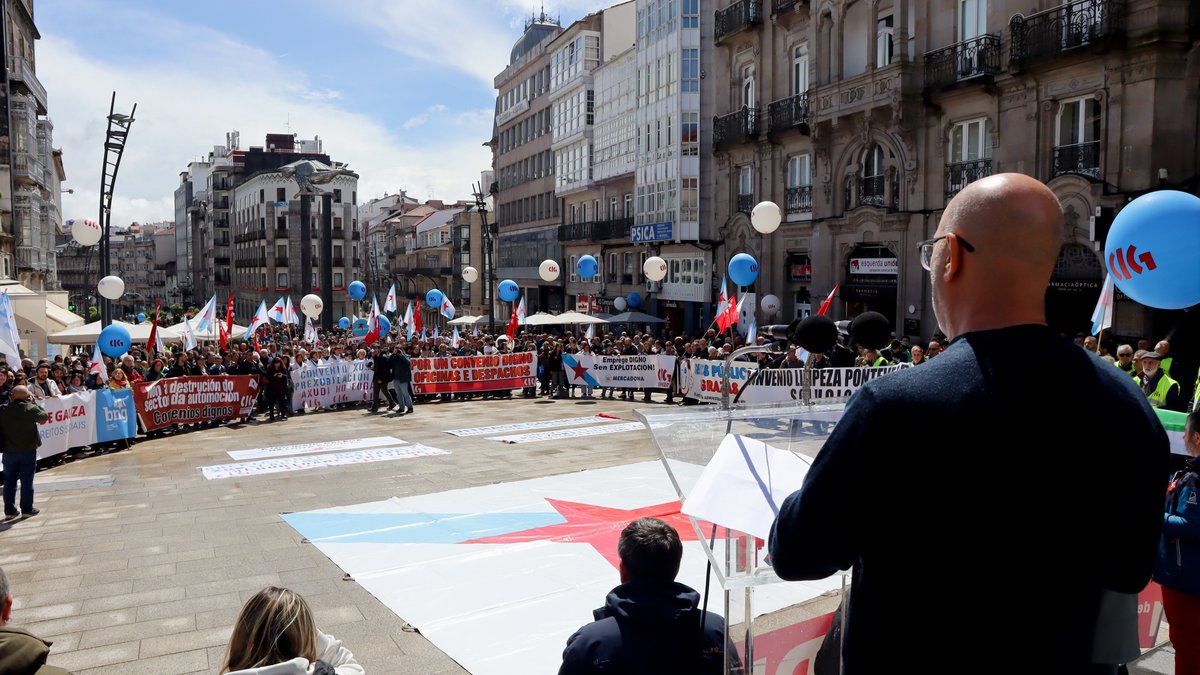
(417, 318)
(96, 365)
(155, 342)
(374, 325)
(829, 300)
(517, 318)
(408, 320)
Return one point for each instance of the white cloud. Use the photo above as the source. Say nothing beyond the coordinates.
(419, 120)
(210, 84)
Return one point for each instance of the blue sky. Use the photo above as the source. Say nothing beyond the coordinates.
(400, 89)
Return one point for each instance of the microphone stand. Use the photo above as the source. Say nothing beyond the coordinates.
(748, 349)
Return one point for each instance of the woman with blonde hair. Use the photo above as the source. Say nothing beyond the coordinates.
(275, 634)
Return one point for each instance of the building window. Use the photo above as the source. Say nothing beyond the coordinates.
(281, 194)
(281, 280)
(690, 75)
(627, 274)
(690, 134)
(749, 93)
(338, 280)
(873, 176)
(799, 184)
(972, 19)
(640, 269)
(800, 70)
(883, 41)
(1077, 140)
(691, 14)
(745, 196)
(612, 268)
(337, 195)
(612, 208)
(689, 200)
(574, 269)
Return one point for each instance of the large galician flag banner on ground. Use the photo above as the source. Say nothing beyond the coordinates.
(651, 371)
(328, 385)
(86, 418)
(455, 374)
(186, 400)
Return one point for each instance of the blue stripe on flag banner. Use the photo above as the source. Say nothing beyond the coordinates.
(115, 418)
(414, 528)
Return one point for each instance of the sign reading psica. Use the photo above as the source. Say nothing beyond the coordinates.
(642, 234)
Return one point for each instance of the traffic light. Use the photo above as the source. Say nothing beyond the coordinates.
(71, 307)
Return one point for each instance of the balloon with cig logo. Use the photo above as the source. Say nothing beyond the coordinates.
(470, 275)
(111, 287)
(655, 268)
(311, 305)
(86, 232)
(548, 270)
(770, 304)
(1153, 250)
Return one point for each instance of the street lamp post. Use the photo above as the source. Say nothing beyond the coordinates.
(489, 263)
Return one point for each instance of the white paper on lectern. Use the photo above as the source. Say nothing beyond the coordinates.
(744, 485)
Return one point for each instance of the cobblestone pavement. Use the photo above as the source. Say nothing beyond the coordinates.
(137, 564)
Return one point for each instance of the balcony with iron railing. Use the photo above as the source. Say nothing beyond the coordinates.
(339, 233)
(1078, 158)
(740, 15)
(781, 6)
(745, 203)
(1069, 26)
(788, 113)
(799, 199)
(338, 261)
(575, 231)
(977, 58)
(281, 233)
(281, 260)
(961, 174)
(617, 228)
(871, 191)
(739, 126)
(22, 71)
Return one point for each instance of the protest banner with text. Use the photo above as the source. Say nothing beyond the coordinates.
(650, 371)
(85, 418)
(701, 379)
(828, 384)
(458, 374)
(187, 400)
(329, 385)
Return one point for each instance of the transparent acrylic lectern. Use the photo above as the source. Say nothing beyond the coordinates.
(775, 625)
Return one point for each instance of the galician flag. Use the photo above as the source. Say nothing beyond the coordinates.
(276, 311)
(591, 331)
(435, 332)
(389, 303)
(260, 318)
(207, 315)
(408, 320)
(455, 340)
(189, 335)
(289, 313)
(310, 331)
(96, 365)
(10, 338)
(1102, 316)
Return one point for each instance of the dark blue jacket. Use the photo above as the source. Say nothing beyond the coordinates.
(650, 627)
(1178, 565)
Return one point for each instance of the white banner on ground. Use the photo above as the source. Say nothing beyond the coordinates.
(569, 433)
(282, 464)
(312, 448)
(522, 426)
(787, 384)
(328, 385)
(651, 371)
(701, 379)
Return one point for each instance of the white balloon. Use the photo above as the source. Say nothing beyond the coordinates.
(655, 268)
(470, 275)
(620, 304)
(766, 217)
(311, 305)
(111, 287)
(86, 232)
(548, 270)
(770, 304)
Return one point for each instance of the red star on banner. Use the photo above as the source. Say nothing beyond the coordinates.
(579, 371)
(595, 525)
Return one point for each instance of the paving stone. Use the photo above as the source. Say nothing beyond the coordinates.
(182, 642)
(183, 662)
(136, 631)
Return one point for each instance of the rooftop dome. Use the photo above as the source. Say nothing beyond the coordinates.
(536, 30)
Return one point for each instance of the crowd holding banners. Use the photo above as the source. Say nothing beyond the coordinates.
(86, 418)
(195, 400)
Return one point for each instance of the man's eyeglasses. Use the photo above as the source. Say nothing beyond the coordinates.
(926, 248)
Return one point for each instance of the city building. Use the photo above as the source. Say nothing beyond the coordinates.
(862, 119)
(31, 170)
(241, 214)
(592, 94)
(372, 216)
(526, 208)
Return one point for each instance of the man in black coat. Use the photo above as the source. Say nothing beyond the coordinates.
(1009, 497)
(650, 624)
(381, 367)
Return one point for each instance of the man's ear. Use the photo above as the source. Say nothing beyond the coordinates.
(954, 258)
(624, 574)
(6, 611)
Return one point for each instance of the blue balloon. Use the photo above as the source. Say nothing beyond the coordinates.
(114, 341)
(435, 298)
(509, 290)
(1153, 248)
(141, 317)
(361, 328)
(343, 323)
(358, 290)
(633, 300)
(587, 267)
(743, 269)
(385, 326)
